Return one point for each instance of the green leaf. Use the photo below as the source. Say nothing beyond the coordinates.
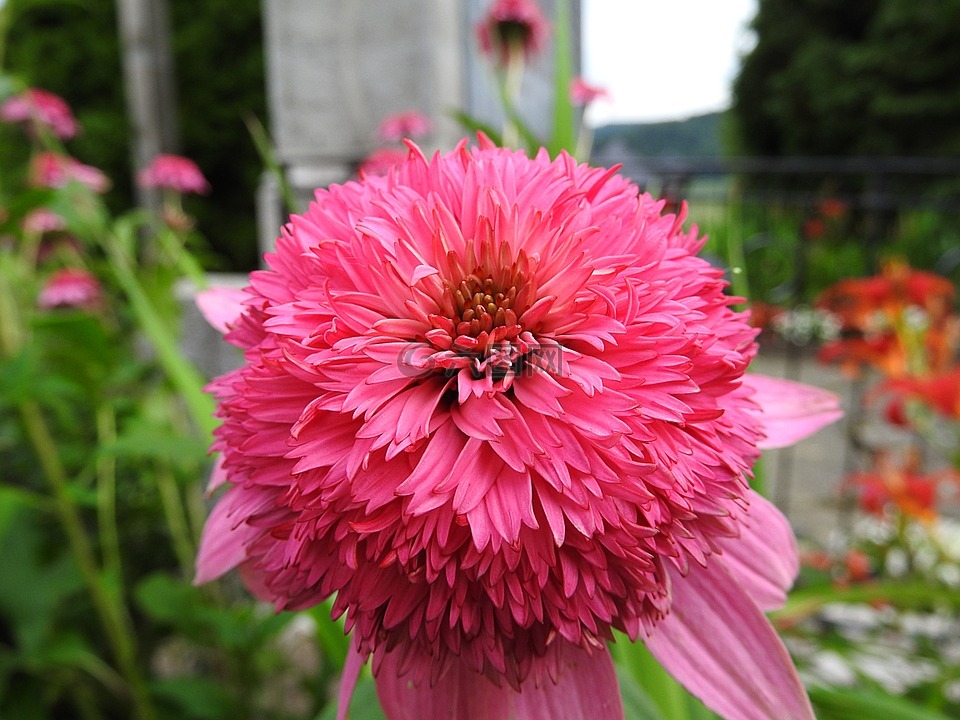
(905, 594)
(70, 650)
(330, 633)
(474, 125)
(144, 441)
(268, 156)
(180, 605)
(194, 698)
(843, 704)
(637, 705)
(666, 694)
(34, 581)
(18, 376)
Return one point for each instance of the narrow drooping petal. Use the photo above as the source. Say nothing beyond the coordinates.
(583, 686)
(790, 411)
(586, 689)
(763, 558)
(719, 645)
(221, 306)
(351, 673)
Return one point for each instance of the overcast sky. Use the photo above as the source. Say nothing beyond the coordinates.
(663, 60)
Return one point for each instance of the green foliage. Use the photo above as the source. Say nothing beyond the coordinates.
(833, 704)
(72, 49)
(700, 136)
(862, 77)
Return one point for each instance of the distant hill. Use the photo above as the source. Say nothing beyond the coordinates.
(698, 136)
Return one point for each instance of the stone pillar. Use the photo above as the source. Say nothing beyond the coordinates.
(336, 68)
(144, 28)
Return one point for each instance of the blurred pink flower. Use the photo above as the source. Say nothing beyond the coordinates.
(173, 172)
(406, 125)
(583, 93)
(510, 26)
(71, 287)
(43, 220)
(35, 106)
(496, 407)
(381, 161)
(51, 170)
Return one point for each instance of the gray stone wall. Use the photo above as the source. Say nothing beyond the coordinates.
(336, 68)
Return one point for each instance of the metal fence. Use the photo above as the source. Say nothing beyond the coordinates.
(798, 225)
(904, 205)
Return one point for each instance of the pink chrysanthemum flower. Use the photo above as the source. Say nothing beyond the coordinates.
(583, 93)
(173, 172)
(40, 107)
(72, 288)
(512, 26)
(410, 125)
(51, 170)
(497, 406)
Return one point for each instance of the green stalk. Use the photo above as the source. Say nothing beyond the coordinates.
(182, 374)
(111, 616)
(106, 471)
(509, 82)
(11, 330)
(176, 519)
(269, 158)
(564, 117)
(174, 243)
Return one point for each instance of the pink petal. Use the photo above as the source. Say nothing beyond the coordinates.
(223, 542)
(722, 648)
(221, 306)
(790, 411)
(351, 673)
(218, 475)
(764, 558)
(587, 689)
(459, 694)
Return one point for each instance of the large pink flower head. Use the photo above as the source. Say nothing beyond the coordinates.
(512, 26)
(497, 406)
(40, 107)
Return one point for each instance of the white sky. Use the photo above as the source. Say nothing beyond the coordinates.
(663, 59)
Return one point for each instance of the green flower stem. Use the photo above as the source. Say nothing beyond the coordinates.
(111, 615)
(174, 244)
(182, 374)
(509, 82)
(106, 471)
(175, 516)
(194, 509)
(268, 156)
(564, 115)
(11, 329)
(584, 144)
